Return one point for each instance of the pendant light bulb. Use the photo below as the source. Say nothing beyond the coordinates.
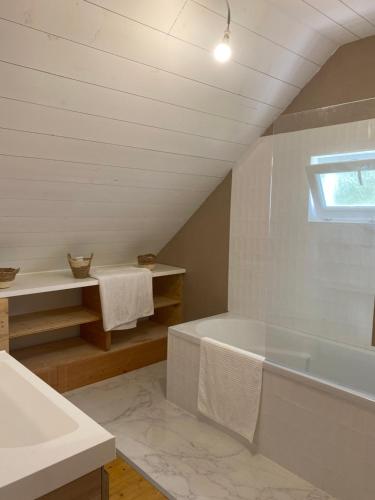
(223, 52)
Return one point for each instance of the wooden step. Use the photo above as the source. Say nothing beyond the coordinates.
(45, 321)
(70, 363)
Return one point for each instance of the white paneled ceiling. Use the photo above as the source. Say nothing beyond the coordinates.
(116, 123)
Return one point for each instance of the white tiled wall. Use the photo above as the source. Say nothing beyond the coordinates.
(249, 231)
(323, 438)
(317, 278)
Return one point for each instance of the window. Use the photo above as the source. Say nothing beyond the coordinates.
(342, 187)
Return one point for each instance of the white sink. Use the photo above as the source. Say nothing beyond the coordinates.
(45, 441)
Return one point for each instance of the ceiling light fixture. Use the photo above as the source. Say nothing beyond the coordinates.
(223, 52)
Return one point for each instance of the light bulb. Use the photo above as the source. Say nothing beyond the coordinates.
(223, 52)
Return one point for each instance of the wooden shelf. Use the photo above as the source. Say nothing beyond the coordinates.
(160, 301)
(44, 321)
(70, 363)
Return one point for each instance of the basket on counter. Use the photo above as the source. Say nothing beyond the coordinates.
(80, 266)
(7, 276)
(148, 260)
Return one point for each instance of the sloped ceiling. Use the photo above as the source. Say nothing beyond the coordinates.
(116, 123)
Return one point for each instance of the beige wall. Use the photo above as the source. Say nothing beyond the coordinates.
(348, 76)
(202, 247)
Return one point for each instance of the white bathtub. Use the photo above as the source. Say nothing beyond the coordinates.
(340, 366)
(248, 335)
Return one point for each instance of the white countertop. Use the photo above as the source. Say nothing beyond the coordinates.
(50, 281)
(45, 441)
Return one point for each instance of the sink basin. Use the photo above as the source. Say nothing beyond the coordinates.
(20, 424)
(45, 441)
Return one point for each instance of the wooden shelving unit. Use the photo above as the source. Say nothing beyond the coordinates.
(46, 321)
(95, 354)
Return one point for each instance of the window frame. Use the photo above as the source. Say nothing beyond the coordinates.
(318, 210)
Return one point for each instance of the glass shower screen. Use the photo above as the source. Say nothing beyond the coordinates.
(321, 255)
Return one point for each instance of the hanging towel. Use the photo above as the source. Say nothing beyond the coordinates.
(125, 295)
(230, 384)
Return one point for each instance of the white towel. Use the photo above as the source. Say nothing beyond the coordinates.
(125, 295)
(230, 385)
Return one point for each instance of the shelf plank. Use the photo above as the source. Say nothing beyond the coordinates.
(161, 301)
(55, 319)
(4, 325)
(61, 352)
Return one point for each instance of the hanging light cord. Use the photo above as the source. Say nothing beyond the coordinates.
(228, 16)
(223, 52)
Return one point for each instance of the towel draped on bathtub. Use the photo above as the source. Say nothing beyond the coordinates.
(230, 384)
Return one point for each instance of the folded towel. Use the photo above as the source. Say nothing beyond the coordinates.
(125, 295)
(230, 384)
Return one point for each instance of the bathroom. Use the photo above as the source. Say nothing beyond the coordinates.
(187, 249)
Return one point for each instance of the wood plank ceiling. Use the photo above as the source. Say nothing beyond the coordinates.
(116, 123)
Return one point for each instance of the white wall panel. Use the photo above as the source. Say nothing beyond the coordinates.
(114, 34)
(74, 224)
(48, 170)
(365, 8)
(74, 238)
(13, 142)
(23, 116)
(42, 51)
(16, 207)
(102, 258)
(344, 16)
(29, 189)
(117, 35)
(160, 14)
(34, 86)
(317, 19)
(116, 123)
(60, 251)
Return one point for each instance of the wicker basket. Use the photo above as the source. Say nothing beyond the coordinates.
(80, 266)
(148, 260)
(7, 276)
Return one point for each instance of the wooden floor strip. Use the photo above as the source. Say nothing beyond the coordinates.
(125, 483)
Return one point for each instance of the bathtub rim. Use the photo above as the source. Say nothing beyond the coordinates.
(367, 401)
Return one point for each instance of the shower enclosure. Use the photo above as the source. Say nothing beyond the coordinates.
(321, 242)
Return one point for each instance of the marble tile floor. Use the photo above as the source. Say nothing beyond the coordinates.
(187, 459)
